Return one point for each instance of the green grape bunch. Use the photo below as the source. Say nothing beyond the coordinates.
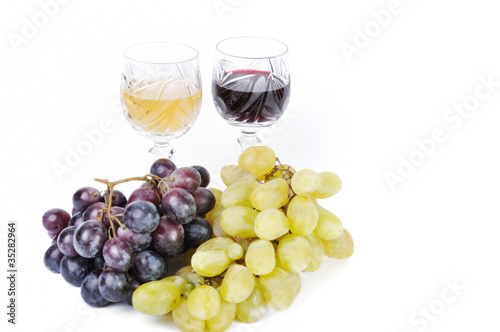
(267, 228)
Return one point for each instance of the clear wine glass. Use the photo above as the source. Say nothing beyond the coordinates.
(161, 92)
(251, 84)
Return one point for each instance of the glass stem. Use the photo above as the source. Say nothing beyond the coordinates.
(248, 138)
(162, 150)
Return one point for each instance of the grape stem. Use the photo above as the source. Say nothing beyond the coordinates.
(111, 185)
(147, 177)
(285, 172)
(115, 218)
(110, 200)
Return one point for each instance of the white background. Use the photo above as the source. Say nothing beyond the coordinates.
(439, 225)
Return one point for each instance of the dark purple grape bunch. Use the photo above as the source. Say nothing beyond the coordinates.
(110, 245)
(93, 249)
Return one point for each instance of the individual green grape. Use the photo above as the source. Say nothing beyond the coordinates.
(188, 289)
(156, 297)
(295, 283)
(272, 194)
(277, 259)
(211, 258)
(215, 283)
(235, 251)
(294, 253)
(349, 246)
(314, 200)
(217, 194)
(260, 257)
(238, 194)
(333, 248)
(177, 281)
(302, 215)
(217, 228)
(204, 302)
(216, 243)
(279, 288)
(305, 182)
(254, 307)
(244, 243)
(329, 226)
(232, 174)
(185, 321)
(271, 224)
(237, 284)
(239, 221)
(259, 160)
(224, 318)
(294, 278)
(210, 263)
(329, 185)
(188, 273)
(281, 171)
(317, 253)
(215, 213)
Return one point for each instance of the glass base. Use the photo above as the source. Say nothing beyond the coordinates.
(162, 150)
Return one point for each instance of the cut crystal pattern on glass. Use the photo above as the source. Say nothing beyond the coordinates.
(161, 99)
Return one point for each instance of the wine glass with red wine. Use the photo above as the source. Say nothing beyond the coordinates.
(251, 84)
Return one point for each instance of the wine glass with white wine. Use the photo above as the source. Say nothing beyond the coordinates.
(161, 92)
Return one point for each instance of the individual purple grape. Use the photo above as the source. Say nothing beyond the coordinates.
(89, 238)
(54, 235)
(143, 194)
(85, 197)
(205, 176)
(55, 220)
(65, 241)
(98, 261)
(186, 178)
(116, 212)
(119, 199)
(117, 254)
(205, 201)
(197, 232)
(149, 266)
(76, 219)
(162, 168)
(168, 238)
(133, 285)
(75, 269)
(93, 211)
(141, 217)
(90, 290)
(113, 285)
(52, 258)
(179, 205)
(138, 242)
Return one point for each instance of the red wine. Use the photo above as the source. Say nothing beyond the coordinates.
(251, 97)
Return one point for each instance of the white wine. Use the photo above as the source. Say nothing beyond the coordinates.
(163, 108)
